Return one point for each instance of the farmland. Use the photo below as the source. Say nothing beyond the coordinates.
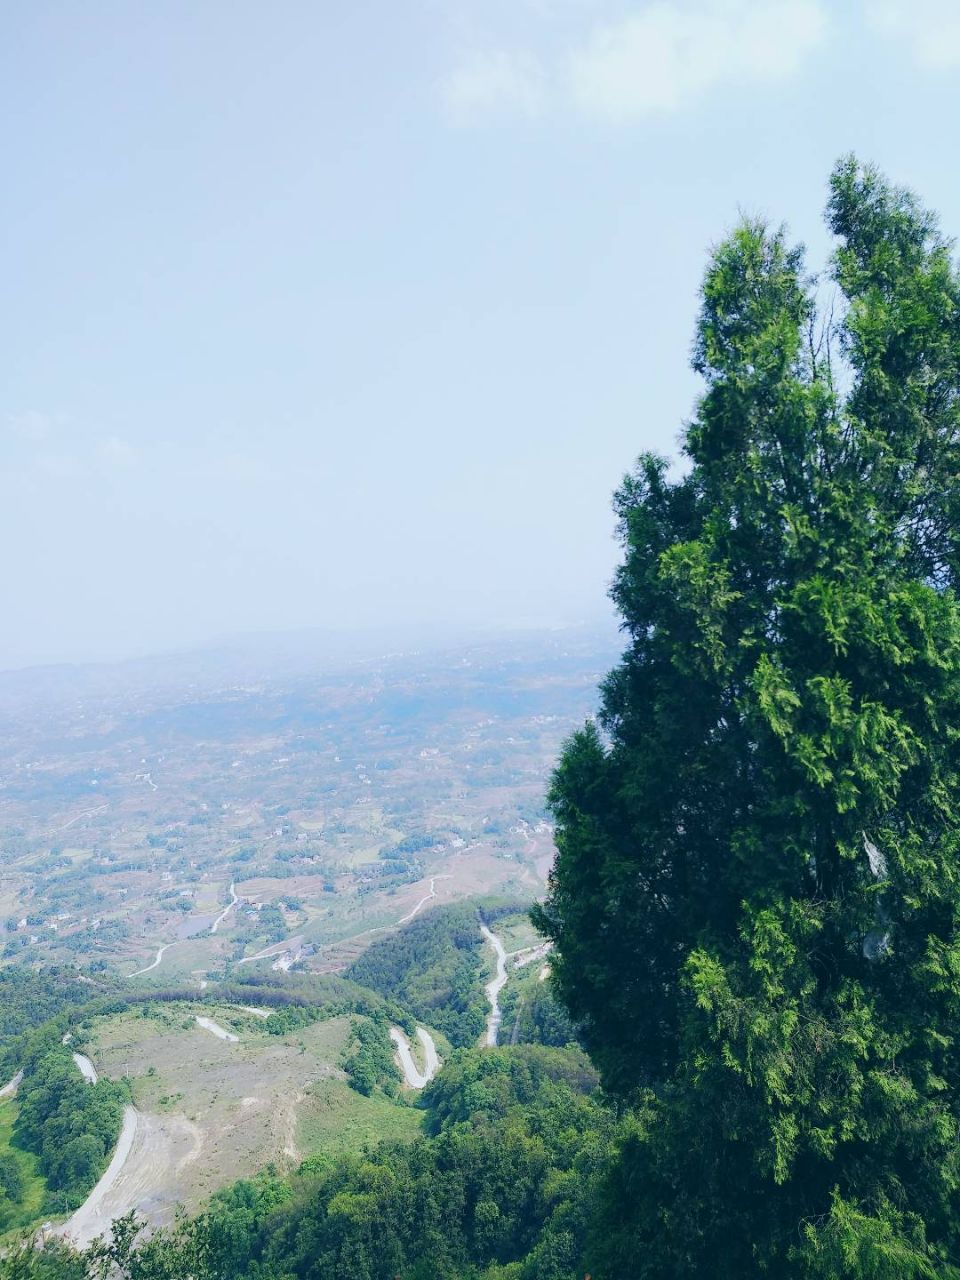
(169, 821)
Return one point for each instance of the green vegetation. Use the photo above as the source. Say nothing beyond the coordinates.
(22, 1188)
(69, 1125)
(500, 1190)
(432, 968)
(82, 887)
(50, 1261)
(337, 1121)
(532, 1014)
(28, 998)
(368, 1060)
(756, 904)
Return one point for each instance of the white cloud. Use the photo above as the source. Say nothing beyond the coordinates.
(500, 83)
(114, 452)
(52, 447)
(929, 28)
(59, 465)
(616, 60)
(668, 55)
(32, 426)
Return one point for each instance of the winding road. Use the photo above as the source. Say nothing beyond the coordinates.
(412, 1074)
(89, 1221)
(147, 1151)
(229, 907)
(167, 945)
(494, 986)
(136, 974)
(86, 1068)
(423, 901)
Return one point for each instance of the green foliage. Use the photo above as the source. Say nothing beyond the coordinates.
(11, 1179)
(49, 1261)
(28, 998)
(23, 1190)
(505, 1190)
(368, 1060)
(756, 903)
(408, 845)
(532, 1014)
(482, 1088)
(433, 967)
(70, 1125)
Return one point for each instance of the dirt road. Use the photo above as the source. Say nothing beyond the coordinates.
(527, 955)
(87, 813)
(275, 949)
(151, 1152)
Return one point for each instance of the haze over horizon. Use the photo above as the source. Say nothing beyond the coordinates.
(355, 317)
(326, 646)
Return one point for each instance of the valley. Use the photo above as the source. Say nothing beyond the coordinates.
(342, 840)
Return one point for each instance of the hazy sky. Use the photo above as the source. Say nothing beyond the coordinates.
(338, 314)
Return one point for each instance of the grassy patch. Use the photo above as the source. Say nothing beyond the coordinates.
(31, 1208)
(516, 932)
(333, 1119)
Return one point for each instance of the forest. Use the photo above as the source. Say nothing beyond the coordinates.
(432, 968)
(369, 1060)
(70, 1125)
(29, 998)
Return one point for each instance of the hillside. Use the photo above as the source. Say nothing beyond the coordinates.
(275, 1071)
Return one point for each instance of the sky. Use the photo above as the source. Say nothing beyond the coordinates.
(351, 315)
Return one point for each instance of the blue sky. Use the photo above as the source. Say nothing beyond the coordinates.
(348, 315)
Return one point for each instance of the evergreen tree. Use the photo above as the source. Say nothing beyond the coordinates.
(756, 901)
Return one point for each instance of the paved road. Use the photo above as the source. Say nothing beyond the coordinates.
(412, 1074)
(87, 1069)
(89, 1221)
(423, 901)
(215, 1029)
(228, 908)
(166, 947)
(494, 986)
(10, 1088)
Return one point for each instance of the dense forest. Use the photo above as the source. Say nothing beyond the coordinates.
(368, 1060)
(432, 968)
(28, 998)
(70, 1125)
(756, 903)
(532, 1014)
